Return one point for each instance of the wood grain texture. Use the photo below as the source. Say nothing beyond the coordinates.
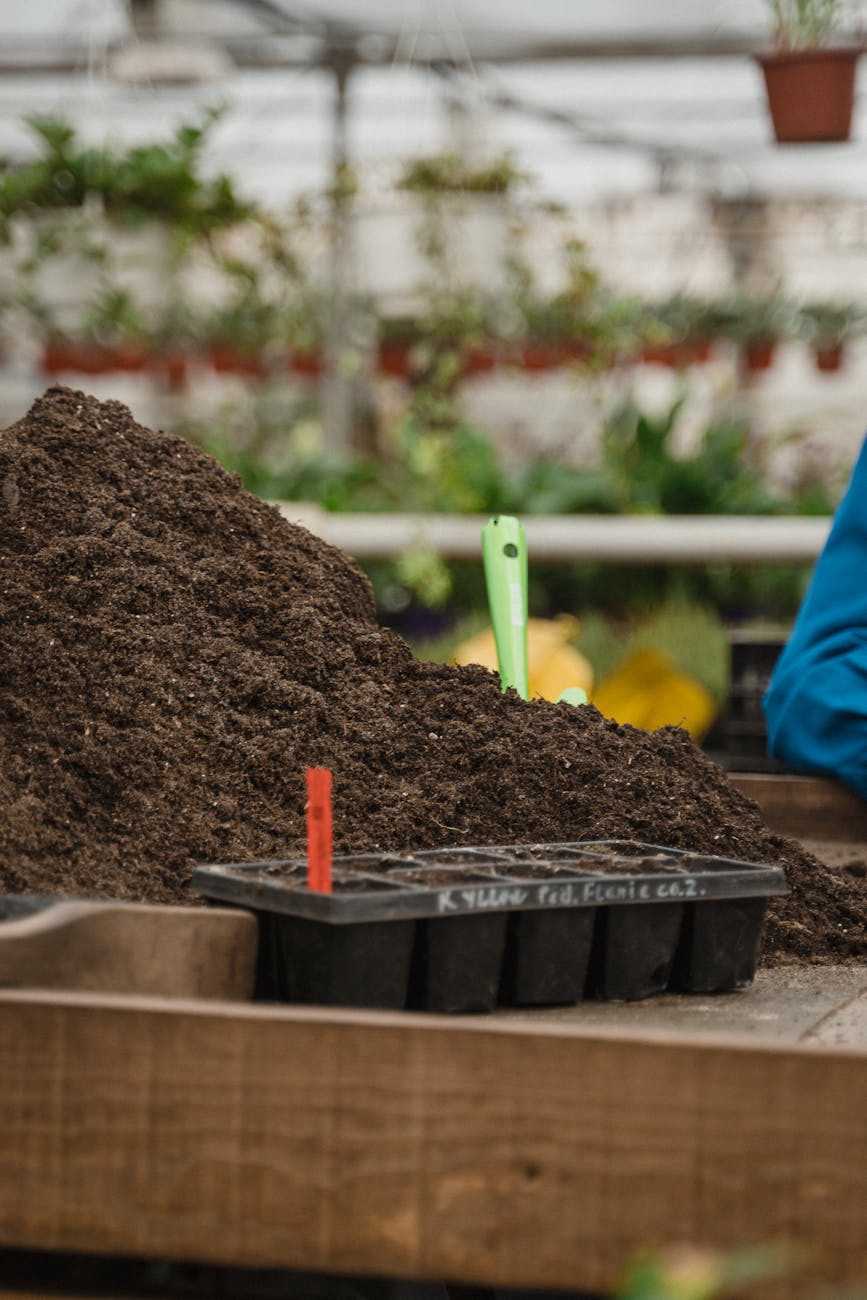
(411, 1146)
(131, 948)
(805, 807)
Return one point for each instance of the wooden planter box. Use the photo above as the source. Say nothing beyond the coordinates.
(487, 1152)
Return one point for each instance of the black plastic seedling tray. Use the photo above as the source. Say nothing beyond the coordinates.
(468, 929)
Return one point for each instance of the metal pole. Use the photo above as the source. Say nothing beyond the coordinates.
(337, 386)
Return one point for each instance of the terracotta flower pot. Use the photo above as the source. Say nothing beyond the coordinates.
(657, 354)
(677, 356)
(128, 357)
(57, 358)
(308, 364)
(700, 351)
(393, 359)
(577, 350)
(758, 356)
(230, 360)
(537, 357)
(830, 358)
(479, 361)
(222, 359)
(76, 358)
(169, 367)
(810, 93)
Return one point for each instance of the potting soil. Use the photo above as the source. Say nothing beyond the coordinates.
(174, 654)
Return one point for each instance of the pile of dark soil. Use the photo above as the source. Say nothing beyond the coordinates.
(173, 654)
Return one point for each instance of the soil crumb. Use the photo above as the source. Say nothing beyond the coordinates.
(173, 654)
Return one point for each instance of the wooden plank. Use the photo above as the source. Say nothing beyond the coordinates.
(806, 807)
(41, 1294)
(191, 952)
(486, 1151)
(66, 1293)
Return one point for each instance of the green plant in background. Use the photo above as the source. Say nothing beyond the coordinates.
(601, 326)
(247, 321)
(91, 223)
(755, 318)
(829, 324)
(722, 476)
(454, 470)
(457, 469)
(449, 173)
(279, 453)
(544, 485)
(161, 180)
(684, 317)
(432, 458)
(165, 181)
(423, 573)
(269, 308)
(63, 175)
(114, 320)
(454, 319)
(565, 316)
(805, 24)
(454, 323)
(623, 326)
(694, 1273)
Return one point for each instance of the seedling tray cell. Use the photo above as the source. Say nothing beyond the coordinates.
(365, 965)
(467, 928)
(457, 963)
(634, 950)
(547, 957)
(719, 945)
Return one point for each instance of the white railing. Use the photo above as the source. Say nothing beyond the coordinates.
(600, 539)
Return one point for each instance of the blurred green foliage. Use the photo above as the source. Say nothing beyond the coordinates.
(163, 180)
(458, 470)
(696, 1273)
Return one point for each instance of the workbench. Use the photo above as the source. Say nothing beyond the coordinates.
(534, 1150)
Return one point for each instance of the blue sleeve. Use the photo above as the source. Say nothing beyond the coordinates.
(816, 703)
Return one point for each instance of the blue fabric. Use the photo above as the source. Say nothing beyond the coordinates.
(816, 703)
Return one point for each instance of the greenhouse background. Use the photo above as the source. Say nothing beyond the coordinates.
(452, 258)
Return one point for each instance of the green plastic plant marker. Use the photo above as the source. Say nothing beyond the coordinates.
(504, 554)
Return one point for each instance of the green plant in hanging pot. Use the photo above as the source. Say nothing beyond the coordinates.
(444, 209)
(826, 327)
(810, 72)
(448, 173)
(83, 215)
(680, 331)
(756, 323)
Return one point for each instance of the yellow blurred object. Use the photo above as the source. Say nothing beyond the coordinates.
(648, 691)
(553, 663)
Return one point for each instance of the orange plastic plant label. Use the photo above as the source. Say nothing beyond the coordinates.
(319, 832)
